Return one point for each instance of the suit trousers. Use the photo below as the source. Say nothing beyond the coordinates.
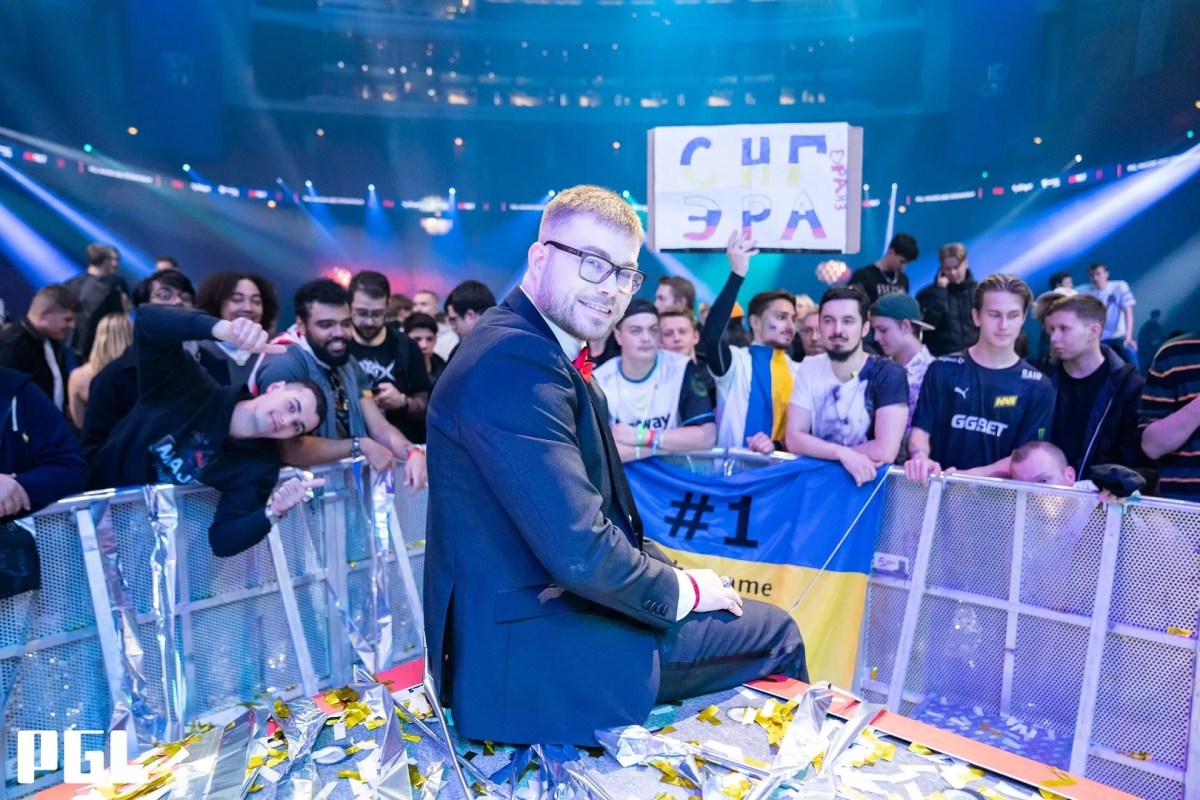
(714, 650)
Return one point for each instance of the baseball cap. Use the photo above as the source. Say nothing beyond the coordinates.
(640, 306)
(1047, 299)
(900, 306)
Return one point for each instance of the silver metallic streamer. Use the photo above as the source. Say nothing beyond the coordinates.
(375, 496)
(164, 522)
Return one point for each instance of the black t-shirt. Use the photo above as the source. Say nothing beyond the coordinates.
(1072, 408)
(976, 416)
(875, 282)
(396, 360)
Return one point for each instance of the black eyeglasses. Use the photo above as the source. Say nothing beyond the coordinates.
(596, 269)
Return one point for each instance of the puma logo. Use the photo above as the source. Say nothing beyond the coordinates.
(962, 391)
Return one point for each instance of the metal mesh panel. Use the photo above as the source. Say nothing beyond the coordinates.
(1047, 674)
(314, 617)
(885, 612)
(1157, 585)
(358, 546)
(246, 650)
(58, 688)
(410, 513)
(1061, 557)
(958, 653)
(135, 543)
(299, 549)
(972, 546)
(209, 576)
(358, 601)
(1142, 704)
(1133, 781)
(65, 603)
(903, 514)
(406, 627)
(716, 463)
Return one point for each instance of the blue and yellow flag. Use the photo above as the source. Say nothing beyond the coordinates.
(771, 530)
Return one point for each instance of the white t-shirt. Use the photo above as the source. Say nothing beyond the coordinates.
(672, 395)
(1116, 297)
(844, 413)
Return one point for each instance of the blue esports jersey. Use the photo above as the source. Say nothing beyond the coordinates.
(976, 416)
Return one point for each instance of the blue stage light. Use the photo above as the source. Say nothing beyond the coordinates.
(187, 167)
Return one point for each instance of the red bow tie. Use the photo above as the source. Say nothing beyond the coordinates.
(584, 365)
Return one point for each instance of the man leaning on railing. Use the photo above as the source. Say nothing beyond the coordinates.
(186, 428)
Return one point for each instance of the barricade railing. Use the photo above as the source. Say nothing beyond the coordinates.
(1025, 613)
(1037, 619)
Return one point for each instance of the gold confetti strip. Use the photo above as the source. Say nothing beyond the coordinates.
(670, 774)
(989, 793)
(372, 724)
(1174, 631)
(358, 748)
(351, 774)
(667, 729)
(874, 673)
(920, 749)
(1063, 779)
(818, 760)
(281, 710)
(478, 788)
(1140, 755)
(738, 788)
(339, 696)
(1049, 795)
(411, 737)
(276, 760)
(415, 778)
(709, 715)
(258, 787)
(402, 715)
(149, 787)
(663, 796)
(489, 748)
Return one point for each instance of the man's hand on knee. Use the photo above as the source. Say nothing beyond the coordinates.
(714, 595)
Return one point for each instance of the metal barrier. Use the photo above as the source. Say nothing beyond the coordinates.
(186, 636)
(1027, 612)
(1029, 606)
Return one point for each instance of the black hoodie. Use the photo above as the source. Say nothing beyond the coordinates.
(179, 431)
(1112, 432)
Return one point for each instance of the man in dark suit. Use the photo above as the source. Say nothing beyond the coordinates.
(547, 615)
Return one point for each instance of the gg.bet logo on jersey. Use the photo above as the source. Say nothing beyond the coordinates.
(969, 423)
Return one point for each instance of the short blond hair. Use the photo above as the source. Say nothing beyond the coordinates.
(604, 204)
(1003, 283)
(952, 250)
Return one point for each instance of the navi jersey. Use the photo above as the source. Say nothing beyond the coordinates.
(976, 416)
(671, 395)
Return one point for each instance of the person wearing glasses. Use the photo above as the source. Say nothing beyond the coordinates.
(391, 362)
(547, 615)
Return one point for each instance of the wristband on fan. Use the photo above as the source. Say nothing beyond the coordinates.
(411, 449)
(696, 588)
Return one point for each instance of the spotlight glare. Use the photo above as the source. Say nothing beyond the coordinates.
(625, 194)
(1198, 104)
(616, 145)
(866, 187)
(132, 131)
(902, 209)
(458, 142)
(270, 204)
(308, 184)
(370, 187)
(552, 193)
(1191, 134)
(320, 131)
(1078, 158)
(984, 174)
(87, 148)
(452, 191)
(279, 181)
(1037, 140)
(187, 167)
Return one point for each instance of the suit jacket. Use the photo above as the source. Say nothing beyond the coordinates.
(543, 608)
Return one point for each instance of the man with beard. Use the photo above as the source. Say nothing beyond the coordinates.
(234, 295)
(848, 406)
(547, 614)
(979, 405)
(391, 362)
(319, 350)
(753, 382)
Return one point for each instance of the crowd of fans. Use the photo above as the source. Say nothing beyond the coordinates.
(178, 384)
